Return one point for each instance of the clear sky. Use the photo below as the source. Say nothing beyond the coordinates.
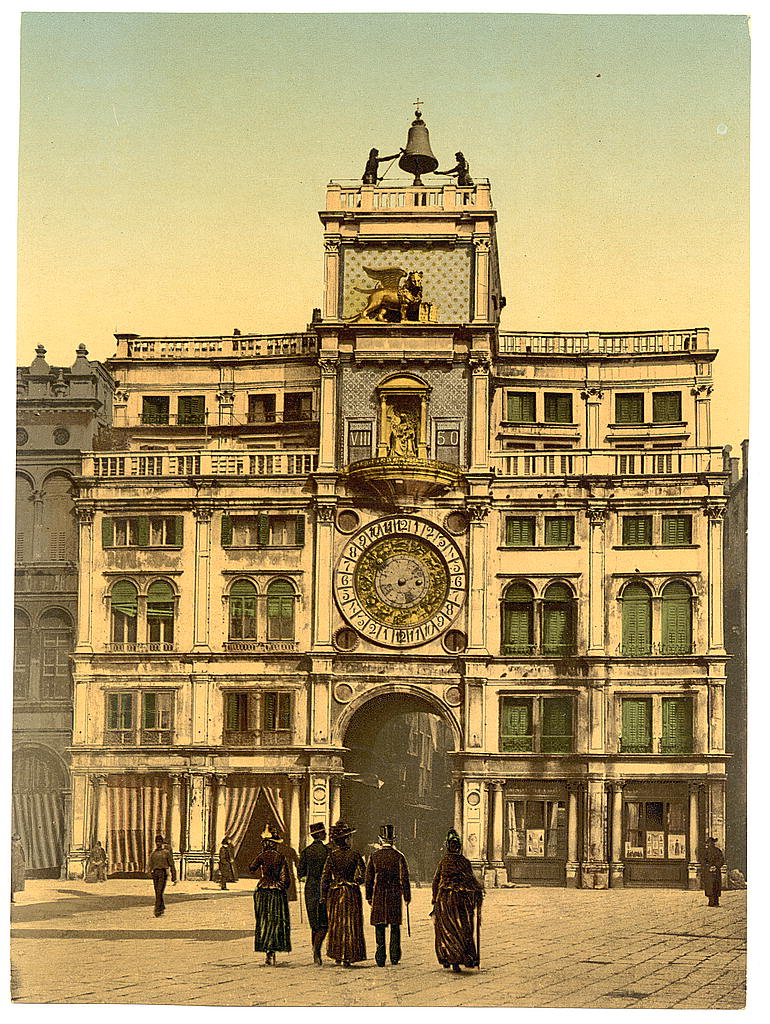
(172, 167)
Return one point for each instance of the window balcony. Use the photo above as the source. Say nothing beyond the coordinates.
(133, 647)
(257, 738)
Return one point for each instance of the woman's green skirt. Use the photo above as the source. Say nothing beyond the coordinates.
(272, 931)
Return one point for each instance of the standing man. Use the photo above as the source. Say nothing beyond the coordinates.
(227, 869)
(161, 862)
(18, 866)
(387, 883)
(713, 860)
(97, 859)
(311, 866)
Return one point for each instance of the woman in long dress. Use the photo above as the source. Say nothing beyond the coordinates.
(341, 881)
(272, 930)
(457, 893)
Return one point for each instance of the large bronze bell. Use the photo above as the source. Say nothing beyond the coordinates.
(418, 157)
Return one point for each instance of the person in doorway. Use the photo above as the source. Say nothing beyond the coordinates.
(311, 865)
(457, 893)
(387, 884)
(272, 929)
(97, 862)
(18, 866)
(161, 863)
(227, 869)
(713, 861)
(341, 881)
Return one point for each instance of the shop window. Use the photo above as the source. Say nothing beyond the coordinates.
(636, 725)
(676, 530)
(359, 440)
(637, 531)
(22, 650)
(160, 614)
(157, 717)
(655, 830)
(677, 725)
(262, 531)
(676, 619)
(559, 531)
(261, 408)
(558, 637)
(154, 409)
(629, 408)
(243, 610)
(667, 406)
(517, 620)
(536, 829)
(123, 612)
(298, 407)
(558, 408)
(636, 604)
(520, 407)
(191, 410)
(56, 642)
(280, 610)
(143, 531)
(520, 531)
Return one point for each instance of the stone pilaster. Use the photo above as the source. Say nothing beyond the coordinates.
(328, 414)
(702, 395)
(480, 364)
(482, 248)
(616, 836)
(197, 857)
(597, 517)
(331, 278)
(574, 793)
(478, 583)
(322, 581)
(85, 516)
(592, 396)
(594, 869)
(694, 836)
(201, 587)
(715, 514)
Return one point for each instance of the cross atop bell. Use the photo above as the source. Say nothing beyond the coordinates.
(418, 157)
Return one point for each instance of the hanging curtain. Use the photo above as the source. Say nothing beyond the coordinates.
(552, 841)
(273, 796)
(137, 809)
(240, 800)
(38, 817)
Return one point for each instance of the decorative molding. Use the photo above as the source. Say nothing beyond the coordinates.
(325, 512)
(121, 395)
(203, 513)
(85, 514)
(701, 392)
(597, 516)
(482, 245)
(331, 246)
(328, 367)
(480, 362)
(226, 396)
(592, 394)
(715, 512)
(479, 511)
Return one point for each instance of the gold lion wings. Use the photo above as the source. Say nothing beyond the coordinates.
(388, 278)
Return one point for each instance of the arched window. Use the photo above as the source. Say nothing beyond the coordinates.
(280, 610)
(637, 620)
(243, 610)
(160, 613)
(60, 536)
(558, 621)
(56, 642)
(123, 607)
(24, 519)
(676, 619)
(517, 619)
(22, 646)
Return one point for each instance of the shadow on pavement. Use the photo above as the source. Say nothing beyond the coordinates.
(117, 934)
(86, 902)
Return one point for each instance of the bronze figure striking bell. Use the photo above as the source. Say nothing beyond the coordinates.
(418, 157)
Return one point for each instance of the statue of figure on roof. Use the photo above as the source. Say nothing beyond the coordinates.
(369, 176)
(462, 170)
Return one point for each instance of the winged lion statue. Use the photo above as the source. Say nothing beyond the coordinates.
(397, 290)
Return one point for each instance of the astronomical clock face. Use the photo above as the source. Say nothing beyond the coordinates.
(400, 581)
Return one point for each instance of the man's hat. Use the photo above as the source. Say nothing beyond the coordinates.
(317, 829)
(159, 838)
(387, 833)
(271, 835)
(341, 830)
(713, 839)
(453, 837)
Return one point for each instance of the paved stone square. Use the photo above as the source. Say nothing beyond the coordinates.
(649, 948)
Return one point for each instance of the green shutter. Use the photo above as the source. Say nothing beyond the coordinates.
(629, 408)
(263, 530)
(179, 531)
(556, 629)
(677, 725)
(676, 619)
(149, 708)
(269, 710)
(516, 725)
(637, 531)
(559, 531)
(300, 530)
(521, 407)
(517, 627)
(232, 719)
(637, 625)
(519, 531)
(123, 598)
(284, 710)
(667, 407)
(556, 735)
(558, 408)
(160, 600)
(227, 530)
(143, 531)
(636, 726)
(107, 532)
(677, 530)
(112, 710)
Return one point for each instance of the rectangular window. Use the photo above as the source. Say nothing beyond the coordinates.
(629, 408)
(559, 531)
(282, 531)
(191, 410)
(261, 408)
(677, 725)
(448, 442)
(655, 830)
(262, 531)
(126, 533)
(676, 530)
(558, 408)
(298, 407)
(143, 531)
(359, 440)
(157, 717)
(276, 711)
(636, 725)
(637, 531)
(520, 531)
(240, 719)
(520, 407)
(55, 678)
(556, 725)
(536, 829)
(120, 718)
(155, 409)
(516, 733)
(667, 406)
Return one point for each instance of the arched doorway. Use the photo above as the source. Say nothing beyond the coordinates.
(38, 809)
(398, 771)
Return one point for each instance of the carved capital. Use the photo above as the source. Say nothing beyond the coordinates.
(716, 513)
(221, 780)
(121, 395)
(597, 515)
(479, 512)
(328, 367)
(592, 394)
(203, 513)
(482, 244)
(701, 391)
(85, 514)
(176, 780)
(226, 396)
(331, 246)
(480, 362)
(99, 780)
(325, 512)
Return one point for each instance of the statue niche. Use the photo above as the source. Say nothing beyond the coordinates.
(403, 419)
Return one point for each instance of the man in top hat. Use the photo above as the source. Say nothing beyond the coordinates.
(310, 867)
(227, 870)
(387, 883)
(161, 862)
(713, 861)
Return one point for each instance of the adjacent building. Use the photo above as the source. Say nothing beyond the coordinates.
(288, 540)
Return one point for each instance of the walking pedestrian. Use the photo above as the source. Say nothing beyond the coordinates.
(97, 862)
(456, 894)
(18, 866)
(272, 929)
(387, 883)
(311, 865)
(713, 861)
(161, 863)
(341, 881)
(227, 870)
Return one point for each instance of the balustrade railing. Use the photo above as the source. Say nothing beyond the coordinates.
(578, 462)
(200, 463)
(246, 345)
(623, 343)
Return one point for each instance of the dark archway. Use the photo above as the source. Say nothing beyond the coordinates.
(398, 771)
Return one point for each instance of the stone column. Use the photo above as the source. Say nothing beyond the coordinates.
(497, 825)
(67, 837)
(197, 858)
(715, 515)
(596, 712)
(474, 829)
(479, 363)
(335, 783)
(79, 826)
(99, 826)
(693, 829)
(458, 815)
(218, 826)
(38, 548)
(572, 868)
(85, 515)
(595, 870)
(597, 516)
(331, 278)
(327, 456)
(322, 577)
(478, 579)
(382, 433)
(481, 297)
(423, 443)
(201, 592)
(293, 817)
(616, 856)
(175, 814)
(592, 396)
(702, 395)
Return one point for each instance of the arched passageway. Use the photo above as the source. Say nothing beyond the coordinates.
(398, 771)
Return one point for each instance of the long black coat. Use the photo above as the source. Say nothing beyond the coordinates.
(387, 883)
(310, 867)
(712, 880)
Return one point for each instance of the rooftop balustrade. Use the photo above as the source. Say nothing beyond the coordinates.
(584, 462)
(199, 463)
(244, 346)
(604, 343)
(399, 195)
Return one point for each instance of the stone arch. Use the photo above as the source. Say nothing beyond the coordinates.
(416, 694)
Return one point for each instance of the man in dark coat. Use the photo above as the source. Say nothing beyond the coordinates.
(311, 866)
(713, 860)
(97, 861)
(161, 862)
(387, 883)
(227, 871)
